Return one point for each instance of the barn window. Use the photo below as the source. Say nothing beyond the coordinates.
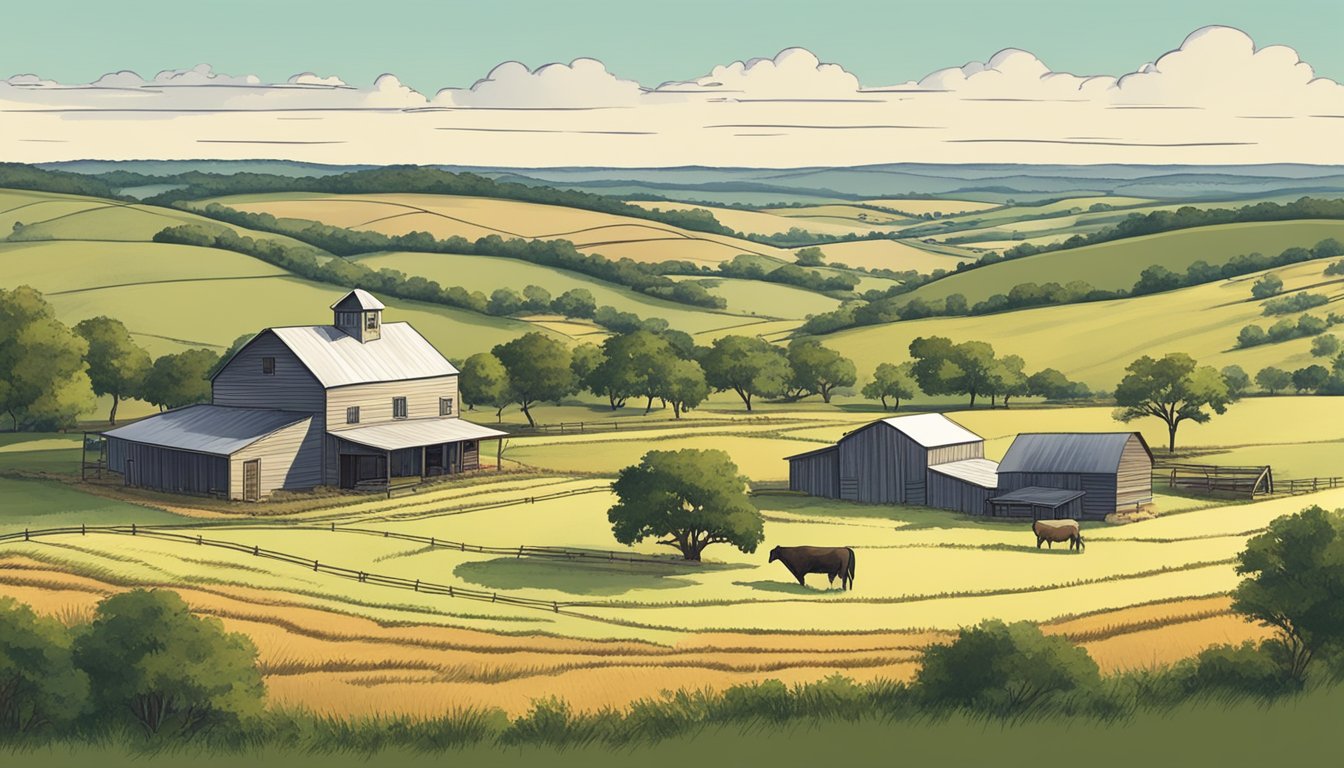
(347, 319)
(469, 445)
(398, 407)
(371, 321)
(445, 406)
(352, 415)
(268, 366)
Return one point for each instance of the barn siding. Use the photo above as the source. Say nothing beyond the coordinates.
(375, 400)
(1071, 511)
(817, 474)
(950, 453)
(946, 492)
(1134, 481)
(1100, 488)
(289, 459)
(165, 469)
(290, 388)
(870, 465)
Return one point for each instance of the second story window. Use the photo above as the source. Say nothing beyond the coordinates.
(398, 407)
(268, 366)
(445, 406)
(352, 415)
(371, 321)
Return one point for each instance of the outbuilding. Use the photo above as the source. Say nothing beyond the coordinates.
(1114, 470)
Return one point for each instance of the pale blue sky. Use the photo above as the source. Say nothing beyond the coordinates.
(430, 44)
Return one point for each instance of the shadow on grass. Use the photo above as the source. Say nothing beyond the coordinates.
(599, 579)
(792, 588)
(906, 518)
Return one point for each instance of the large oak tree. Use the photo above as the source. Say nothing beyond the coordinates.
(1174, 389)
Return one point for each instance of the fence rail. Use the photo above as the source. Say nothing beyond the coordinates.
(309, 563)
(1307, 485)
(1212, 478)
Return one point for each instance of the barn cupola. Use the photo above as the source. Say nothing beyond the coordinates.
(360, 315)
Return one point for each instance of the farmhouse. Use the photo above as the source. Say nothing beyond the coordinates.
(356, 404)
(930, 460)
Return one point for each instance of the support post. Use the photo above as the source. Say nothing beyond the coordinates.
(499, 454)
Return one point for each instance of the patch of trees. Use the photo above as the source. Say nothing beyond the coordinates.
(973, 369)
(49, 373)
(1298, 302)
(20, 176)
(1285, 329)
(1337, 268)
(749, 267)
(1310, 379)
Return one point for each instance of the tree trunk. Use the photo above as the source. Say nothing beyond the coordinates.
(676, 410)
(648, 407)
(825, 394)
(112, 417)
(528, 414)
(1171, 438)
(898, 405)
(883, 398)
(746, 396)
(15, 418)
(972, 398)
(993, 400)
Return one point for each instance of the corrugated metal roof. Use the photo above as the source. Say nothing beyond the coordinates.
(1066, 452)
(933, 430)
(396, 435)
(358, 299)
(212, 429)
(805, 454)
(337, 359)
(981, 472)
(1035, 494)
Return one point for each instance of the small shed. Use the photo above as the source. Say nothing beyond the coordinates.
(1114, 469)
(963, 486)
(1038, 503)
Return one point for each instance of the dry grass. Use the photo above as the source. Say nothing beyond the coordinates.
(342, 664)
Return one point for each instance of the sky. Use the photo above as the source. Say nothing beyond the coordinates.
(639, 83)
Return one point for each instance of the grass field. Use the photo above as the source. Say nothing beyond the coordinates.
(1117, 264)
(771, 221)
(1094, 342)
(919, 206)
(445, 216)
(896, 255)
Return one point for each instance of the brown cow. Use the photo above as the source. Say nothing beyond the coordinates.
(832, 561)
(1058, 530)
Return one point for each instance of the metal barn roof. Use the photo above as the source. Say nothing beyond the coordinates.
(212, 429)
(337, 359)
(358, 299)
(932, 430)
(981, 472)
(395, 435)
(1066, 452)
(1038, 496)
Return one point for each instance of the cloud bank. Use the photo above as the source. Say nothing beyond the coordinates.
(1216, 98)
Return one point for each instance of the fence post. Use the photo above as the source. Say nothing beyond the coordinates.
(256, 550)
(450, 590)
(520, 552)
(556, 606)
(200, 540)
(132, 529)
(431, 542)
(314, 565)
(417, 585)
(83, 531)
(333, 527)
(25, 535)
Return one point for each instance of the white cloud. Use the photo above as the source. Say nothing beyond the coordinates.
(581, 83)
(1200, 103)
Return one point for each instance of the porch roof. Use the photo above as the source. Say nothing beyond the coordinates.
(411, 433)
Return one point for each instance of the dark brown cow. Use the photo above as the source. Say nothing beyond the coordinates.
(832, 561)
(1058, 530)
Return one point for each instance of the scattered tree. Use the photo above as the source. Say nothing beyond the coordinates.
(1174, 389)
(818, 370)
(44, 382)
(1296, 584)
(483, 381)
(1310, 378)
(944, 368)
(1007, 379)
(538, 368)
(1325, 345)
(1237, 381)
(1052, 384)
(146, 654)
(1269, 285)
(693, 498)
(180, 379)
(536, 299)
(747, 365)
(117, 365)
(811, 256)
(891, 381)
(1273, 380)
(576, 302)
(683, 385)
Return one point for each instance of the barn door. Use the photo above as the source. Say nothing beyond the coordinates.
(252, 480)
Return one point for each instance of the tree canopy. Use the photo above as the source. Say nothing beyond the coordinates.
(945, 368)
(1174, 389)
(39, 682)
(44, 381)
(818, 370)
(538, 368)
(691, 498)
(891, 381)
(117, 365)
(483, 381)
(180, 379)
(747, 365)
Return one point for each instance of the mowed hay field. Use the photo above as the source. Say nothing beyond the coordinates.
(1118, 264)
(1093, 342)
(473, 217)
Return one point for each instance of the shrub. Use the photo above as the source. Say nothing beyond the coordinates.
(1325, 346)
(1250, 668)
(148, 656)
(1297, 302)
(39, 684)
(1251, 336)
(1004, 669)
(1269, 285)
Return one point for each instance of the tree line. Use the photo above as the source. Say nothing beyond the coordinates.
(50, 372)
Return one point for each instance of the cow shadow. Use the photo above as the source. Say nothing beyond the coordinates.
(578, 578)
(792, 588)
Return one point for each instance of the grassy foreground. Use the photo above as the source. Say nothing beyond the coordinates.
(1203, 733)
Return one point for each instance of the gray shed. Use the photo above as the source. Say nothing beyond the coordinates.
(1038, 503)
(1114, 469)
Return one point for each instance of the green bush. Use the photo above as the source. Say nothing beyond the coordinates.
(1247, 669)
(148, 657)
(39, 684)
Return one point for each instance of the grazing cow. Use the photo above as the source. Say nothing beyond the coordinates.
(1058, 530)
(832, 561)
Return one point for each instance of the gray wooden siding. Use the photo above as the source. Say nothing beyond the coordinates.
(1134, 482)
(816, 475)
(289, 459)
(375, 400)
(290, 388)
(1071, 511)
(165, 469)
(1100, 489)
(870, 467)
(950, 453)
(958, 495)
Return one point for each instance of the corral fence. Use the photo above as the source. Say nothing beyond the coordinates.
(316, 565)
(1307, 485)
(1211, 478)
(586, 427)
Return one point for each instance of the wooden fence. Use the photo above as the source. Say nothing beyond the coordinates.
(1211, 478)
(163, 533)
(1307, 485)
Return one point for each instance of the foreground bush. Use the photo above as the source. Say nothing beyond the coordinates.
(148, 656)
(39, 684)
